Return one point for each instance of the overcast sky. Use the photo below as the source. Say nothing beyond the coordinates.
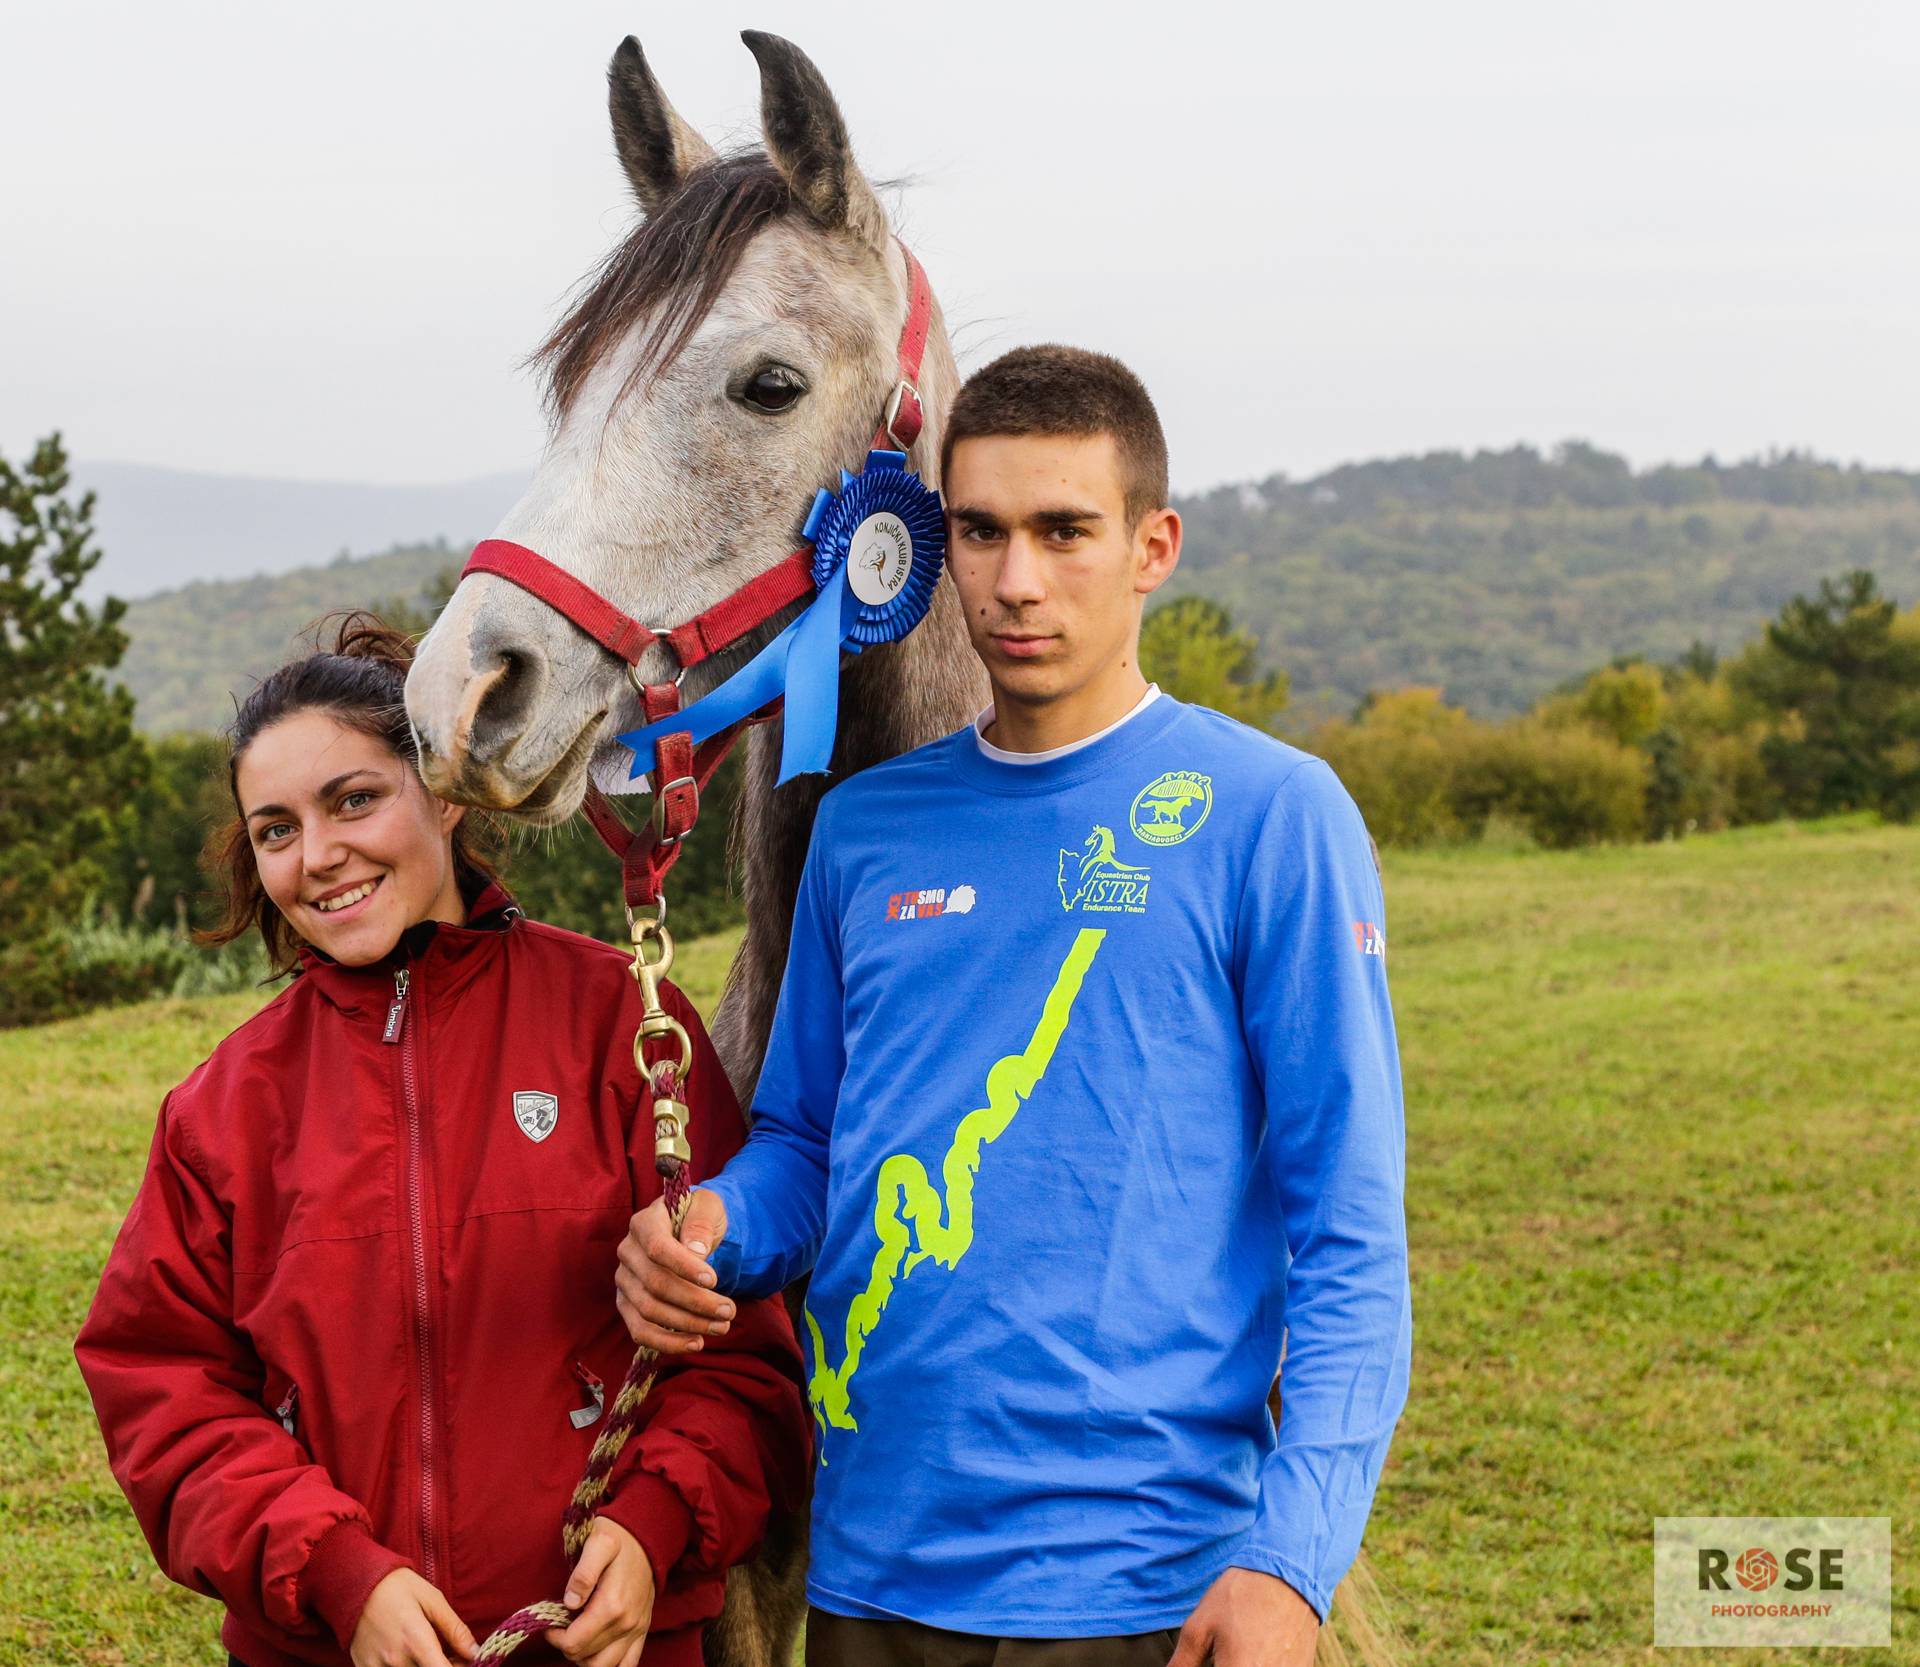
(315, 241)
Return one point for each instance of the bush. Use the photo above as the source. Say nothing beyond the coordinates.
(103, 961)
(1569, 786)
(1401, 759)
(1422, 772)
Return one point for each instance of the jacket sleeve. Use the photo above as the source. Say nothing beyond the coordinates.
(1311, 964)
(726, 1439)
(231, 1504)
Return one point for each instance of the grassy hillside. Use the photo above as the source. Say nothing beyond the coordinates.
(1496, 576)
(1663, 1168)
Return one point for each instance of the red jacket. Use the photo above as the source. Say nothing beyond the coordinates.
(350, 1320)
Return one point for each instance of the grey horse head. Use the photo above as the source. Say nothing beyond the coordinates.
(730, 356)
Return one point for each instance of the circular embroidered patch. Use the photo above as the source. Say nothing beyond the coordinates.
(1171, 807)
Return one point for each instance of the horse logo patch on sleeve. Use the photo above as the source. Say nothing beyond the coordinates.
(535, 1112)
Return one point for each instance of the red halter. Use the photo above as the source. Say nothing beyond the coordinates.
(680, 772)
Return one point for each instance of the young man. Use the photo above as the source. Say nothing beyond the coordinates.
(1081, 1096)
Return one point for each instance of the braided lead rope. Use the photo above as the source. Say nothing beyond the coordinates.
(621, 1420)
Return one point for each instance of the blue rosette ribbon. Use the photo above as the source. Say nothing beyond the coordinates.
(878, 544)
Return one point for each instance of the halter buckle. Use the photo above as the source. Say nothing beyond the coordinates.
(659, 813)
(902, 392)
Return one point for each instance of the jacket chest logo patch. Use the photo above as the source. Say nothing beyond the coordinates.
(535, 1112)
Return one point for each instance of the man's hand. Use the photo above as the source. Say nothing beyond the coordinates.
(1248, 1619)
(663, 1287)
(403, 1624)
(614, 1573)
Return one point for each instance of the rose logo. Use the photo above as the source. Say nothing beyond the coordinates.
(1756, 1569)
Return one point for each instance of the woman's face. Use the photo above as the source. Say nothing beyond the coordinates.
(351, 847)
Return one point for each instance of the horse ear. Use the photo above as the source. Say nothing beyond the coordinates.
(807, 139)
(656, 147)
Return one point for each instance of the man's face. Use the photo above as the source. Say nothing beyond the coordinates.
(1050, 574)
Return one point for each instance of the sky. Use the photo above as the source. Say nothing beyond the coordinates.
(315, 242)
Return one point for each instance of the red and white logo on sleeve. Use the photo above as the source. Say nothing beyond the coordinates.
(934, 900)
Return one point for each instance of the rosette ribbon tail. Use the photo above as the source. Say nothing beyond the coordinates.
(802, 663)
(895, 521)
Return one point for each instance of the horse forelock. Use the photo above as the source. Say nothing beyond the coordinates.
(668, 273)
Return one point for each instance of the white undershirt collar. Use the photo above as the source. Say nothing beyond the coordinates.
(1000, 754)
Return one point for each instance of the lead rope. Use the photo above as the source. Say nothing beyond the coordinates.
(672, 1157)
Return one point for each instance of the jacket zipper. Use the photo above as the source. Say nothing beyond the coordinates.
(581, 1417)
(397, 1031)
(397, 1008)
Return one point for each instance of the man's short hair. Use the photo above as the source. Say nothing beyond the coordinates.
(1067, 390)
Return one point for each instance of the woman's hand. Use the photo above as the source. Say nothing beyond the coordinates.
(403, 1624)
(663, 1286)
(615, 1573)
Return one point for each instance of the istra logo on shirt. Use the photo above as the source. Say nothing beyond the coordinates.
(1094, 879)
(1171, 807)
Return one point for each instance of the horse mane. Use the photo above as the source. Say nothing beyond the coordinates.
(672, 266)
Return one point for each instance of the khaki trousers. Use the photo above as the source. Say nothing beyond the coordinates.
(842, 1641)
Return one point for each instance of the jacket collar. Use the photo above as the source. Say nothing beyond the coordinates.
(442, 957)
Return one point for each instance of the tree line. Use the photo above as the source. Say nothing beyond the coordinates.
(1496, 574)
(102, 826)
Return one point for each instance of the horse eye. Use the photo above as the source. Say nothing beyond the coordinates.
(772, 389)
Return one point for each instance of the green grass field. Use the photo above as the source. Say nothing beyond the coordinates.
(1663, 1111)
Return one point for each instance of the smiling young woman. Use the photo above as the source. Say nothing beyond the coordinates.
(328, 803)
(340, 1350)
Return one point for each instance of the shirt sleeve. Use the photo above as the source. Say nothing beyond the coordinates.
(1310, 962)
(775, 1190)
(232, 1505)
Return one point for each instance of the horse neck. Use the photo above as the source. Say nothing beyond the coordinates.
(892, 700)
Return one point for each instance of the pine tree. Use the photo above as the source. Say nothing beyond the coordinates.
(72, 759)
(1848, 685)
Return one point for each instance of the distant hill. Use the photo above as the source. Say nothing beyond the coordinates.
(162, 528)
(193, 649)
(1502, 574)
(1496, 575)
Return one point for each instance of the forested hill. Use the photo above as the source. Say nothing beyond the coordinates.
(1496, 575)
(1501, 574)
(192, 649)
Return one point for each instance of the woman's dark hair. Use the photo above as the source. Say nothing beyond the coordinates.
(361, 681)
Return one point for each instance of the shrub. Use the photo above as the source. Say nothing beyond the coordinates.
(1401, 760)
(102, 961)
(1569, 786)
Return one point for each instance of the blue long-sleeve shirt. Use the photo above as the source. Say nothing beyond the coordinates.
(1081, 1096)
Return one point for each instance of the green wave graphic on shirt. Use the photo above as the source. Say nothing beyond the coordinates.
(908, 1212)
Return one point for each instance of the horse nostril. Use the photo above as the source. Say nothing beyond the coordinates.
(512, 674)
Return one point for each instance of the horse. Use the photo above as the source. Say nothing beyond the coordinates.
(726, 360)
